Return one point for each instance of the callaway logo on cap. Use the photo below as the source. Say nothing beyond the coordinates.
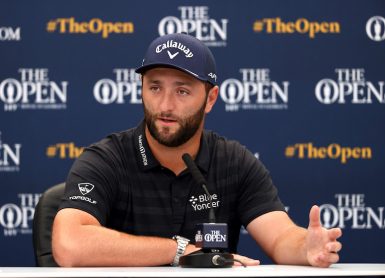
(183, 52)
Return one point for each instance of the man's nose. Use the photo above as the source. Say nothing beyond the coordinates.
(167, 101)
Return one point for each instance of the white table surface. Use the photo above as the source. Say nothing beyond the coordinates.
(254, 271)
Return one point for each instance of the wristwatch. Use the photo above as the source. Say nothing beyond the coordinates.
(182, 244)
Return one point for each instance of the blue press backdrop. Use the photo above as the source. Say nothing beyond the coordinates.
(301, 82)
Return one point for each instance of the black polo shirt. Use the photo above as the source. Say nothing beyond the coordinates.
(119, 181)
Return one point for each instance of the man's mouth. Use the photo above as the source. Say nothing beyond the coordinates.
(166, 120)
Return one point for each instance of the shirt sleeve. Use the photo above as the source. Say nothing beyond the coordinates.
(257, 194)
(90, 183)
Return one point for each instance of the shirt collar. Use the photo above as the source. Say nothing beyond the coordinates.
(145, 158)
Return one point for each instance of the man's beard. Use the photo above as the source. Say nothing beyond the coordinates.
(188, 127)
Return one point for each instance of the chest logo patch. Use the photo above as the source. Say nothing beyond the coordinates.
(203, 202)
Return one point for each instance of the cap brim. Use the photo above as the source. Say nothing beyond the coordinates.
(147, 67)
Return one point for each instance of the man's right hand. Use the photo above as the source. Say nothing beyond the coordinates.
(245, 261)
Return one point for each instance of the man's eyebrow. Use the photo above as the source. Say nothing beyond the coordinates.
(183, 83)
(154, 81)
(176, 83)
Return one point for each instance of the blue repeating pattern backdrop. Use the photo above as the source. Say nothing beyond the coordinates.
(301, 85)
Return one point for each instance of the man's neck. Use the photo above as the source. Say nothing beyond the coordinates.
(171, 157)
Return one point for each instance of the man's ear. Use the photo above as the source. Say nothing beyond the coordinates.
(211, 98)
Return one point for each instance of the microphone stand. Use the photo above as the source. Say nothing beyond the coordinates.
(206, 257)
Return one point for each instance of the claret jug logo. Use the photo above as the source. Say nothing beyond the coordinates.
(350, 87)
(34, 90)
(9, 156)
(17, 218)
(196, 21)
(375, 28)
(254, 91)
(352, 212)
(126, 87)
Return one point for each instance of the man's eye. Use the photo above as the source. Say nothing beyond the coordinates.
(183, 92)
(154, 89)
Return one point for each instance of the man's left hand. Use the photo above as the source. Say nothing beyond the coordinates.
(322, 246)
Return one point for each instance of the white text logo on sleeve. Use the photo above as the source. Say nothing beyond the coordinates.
(84, 188)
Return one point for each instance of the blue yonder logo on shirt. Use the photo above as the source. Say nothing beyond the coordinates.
(203, 202)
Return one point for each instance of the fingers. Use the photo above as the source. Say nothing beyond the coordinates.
(334, 233)
(245, 260)
(326, 259)
(328, 256)
(314, 217)
(333, 247)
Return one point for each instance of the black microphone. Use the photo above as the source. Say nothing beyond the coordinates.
(199, 179)
(211, 237)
